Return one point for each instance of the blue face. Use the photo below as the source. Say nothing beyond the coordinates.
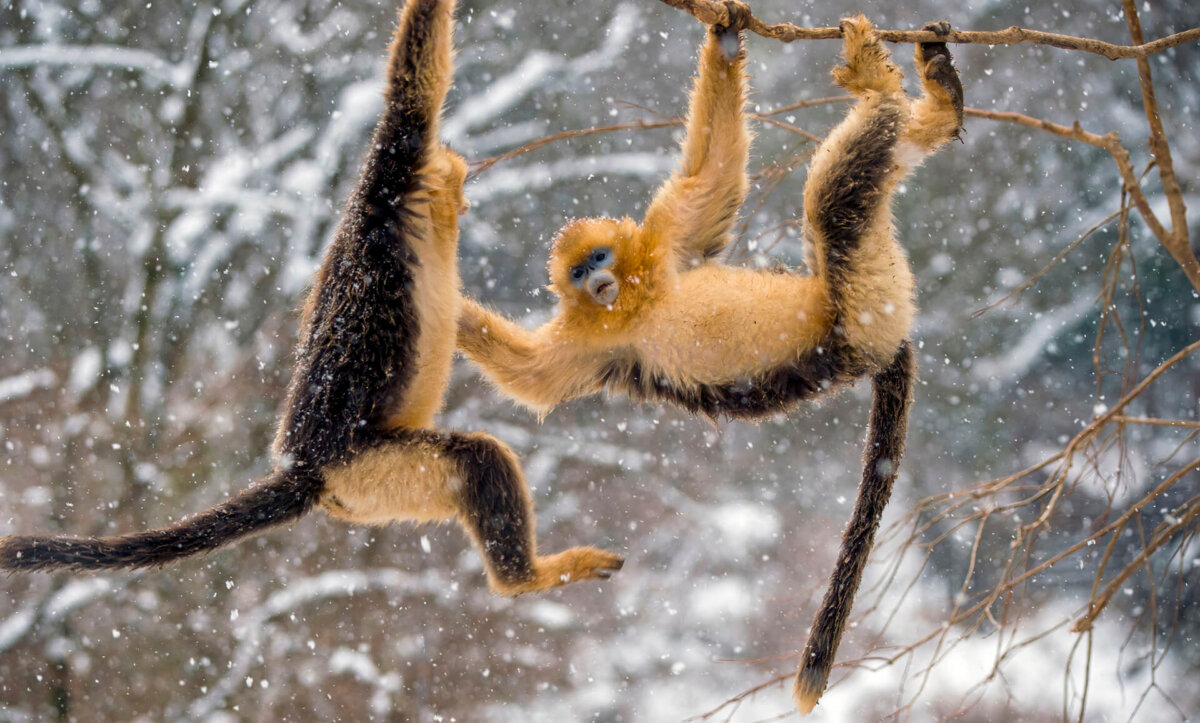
(599, 259)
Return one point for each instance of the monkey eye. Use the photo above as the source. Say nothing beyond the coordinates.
(577, 274)
(600, 258)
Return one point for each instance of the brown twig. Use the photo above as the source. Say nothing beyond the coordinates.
(1177, 241)
(1045, 269)
(1160, 538)
(710, 12)
(1187, 424)
(478, 167)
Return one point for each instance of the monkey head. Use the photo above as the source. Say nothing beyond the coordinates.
(591, 262)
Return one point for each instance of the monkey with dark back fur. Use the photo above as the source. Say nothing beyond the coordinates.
(372, 364)
(645, 310)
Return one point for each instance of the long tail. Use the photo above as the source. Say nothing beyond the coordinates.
(277, 500)
(881, 460)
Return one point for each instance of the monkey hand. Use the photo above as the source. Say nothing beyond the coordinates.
(730, 35)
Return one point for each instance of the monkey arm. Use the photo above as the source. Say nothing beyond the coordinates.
(694, 211)
(526, 365)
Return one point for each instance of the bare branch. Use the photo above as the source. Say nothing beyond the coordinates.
(478, 167)
(710, 12)
(1158, 143)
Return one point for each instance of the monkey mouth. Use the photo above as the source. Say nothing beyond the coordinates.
(605, 293)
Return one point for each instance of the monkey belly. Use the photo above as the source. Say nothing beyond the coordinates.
(437, 297)
(724, 323)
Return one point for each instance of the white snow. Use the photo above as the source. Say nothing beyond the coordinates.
(26, 383)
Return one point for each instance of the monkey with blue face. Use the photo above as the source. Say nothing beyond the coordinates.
(646, 310)
(593, 276)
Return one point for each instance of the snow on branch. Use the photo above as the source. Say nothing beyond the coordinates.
(59, 604)
(104, 56)
(534, 71)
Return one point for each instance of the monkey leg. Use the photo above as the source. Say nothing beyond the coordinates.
(847, 199)
(847, 193)
(423, 475)
(868, 65)
(938, 114)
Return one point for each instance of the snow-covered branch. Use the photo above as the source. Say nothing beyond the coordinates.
(143, 62)
(22, 385)
(535, 71)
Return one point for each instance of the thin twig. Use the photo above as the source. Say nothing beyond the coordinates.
(1160, 538)
(1042, 272)
(478, 167)
(1152, 421)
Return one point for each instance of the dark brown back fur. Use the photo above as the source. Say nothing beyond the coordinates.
(357, 345)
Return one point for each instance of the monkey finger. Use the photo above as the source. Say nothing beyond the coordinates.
(739, 15)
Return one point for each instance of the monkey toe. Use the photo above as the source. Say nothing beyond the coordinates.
(868, 65)
(573, 565)
(858, 25)
(858, 34)
(927, 52)
(579, 563)
(936, 65)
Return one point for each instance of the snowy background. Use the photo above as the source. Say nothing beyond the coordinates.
(168, 178)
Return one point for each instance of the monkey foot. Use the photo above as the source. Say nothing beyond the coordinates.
(739, 15)
(937, 65)
(868, 65)
(573, 565)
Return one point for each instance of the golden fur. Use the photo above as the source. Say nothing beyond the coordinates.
(414, 479)
(688, 319)
(743, 342)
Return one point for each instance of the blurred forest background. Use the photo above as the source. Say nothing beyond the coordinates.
(169, 174)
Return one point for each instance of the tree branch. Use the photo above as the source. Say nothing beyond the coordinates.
(710, 12)
(1177, 243)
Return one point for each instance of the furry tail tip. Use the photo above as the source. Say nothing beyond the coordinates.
(809, 685)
